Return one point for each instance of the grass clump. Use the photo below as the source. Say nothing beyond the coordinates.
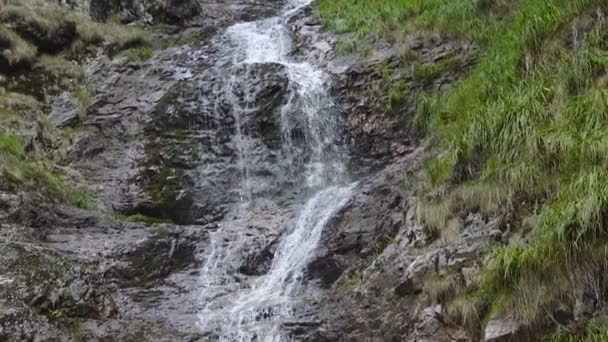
(60, 67)
(11, 145)
(16, 169)
(440, 287)
(395, 96)
(193, 38)
(14, 49)
(83, 97)
(139, 54)
(466, 310)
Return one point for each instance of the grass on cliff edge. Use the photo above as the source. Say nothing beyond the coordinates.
(525, 132)
(50, 21)
(470, 19)
(17, 169)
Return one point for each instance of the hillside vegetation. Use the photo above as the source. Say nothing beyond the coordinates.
(42, 48)
(524, 136)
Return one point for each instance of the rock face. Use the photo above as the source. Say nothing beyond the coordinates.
(193, 168)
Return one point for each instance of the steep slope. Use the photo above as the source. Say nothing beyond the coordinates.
(517, 155)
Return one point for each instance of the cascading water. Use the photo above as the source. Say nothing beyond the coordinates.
(237, 310)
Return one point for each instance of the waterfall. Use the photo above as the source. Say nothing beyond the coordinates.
(233, 309)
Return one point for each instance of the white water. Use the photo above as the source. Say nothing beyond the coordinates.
(237, 310)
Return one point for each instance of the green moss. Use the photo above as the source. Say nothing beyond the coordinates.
(166, 44)
(428, 72)
(149, 220)
(181, 134)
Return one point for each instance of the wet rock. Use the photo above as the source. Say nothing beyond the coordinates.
(259, 263)
(365, 226)
(194, 167)
(21, 324)
(156, 258)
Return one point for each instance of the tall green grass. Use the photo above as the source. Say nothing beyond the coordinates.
(528, 139)
(541, 135)
(363, 18)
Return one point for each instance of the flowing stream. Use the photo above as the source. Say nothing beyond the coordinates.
(259, 309)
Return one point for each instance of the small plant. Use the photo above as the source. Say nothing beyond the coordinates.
(346, 46)
(442, 287)
(139, 54)
(55, 314)
(193, 38)
(468, 311)
(80, 199)
(11, 144)
(47, 126)
(76, 328)
(353, 279)
(148, 220)
(381, 245)
(396, 94)
(83, 97)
